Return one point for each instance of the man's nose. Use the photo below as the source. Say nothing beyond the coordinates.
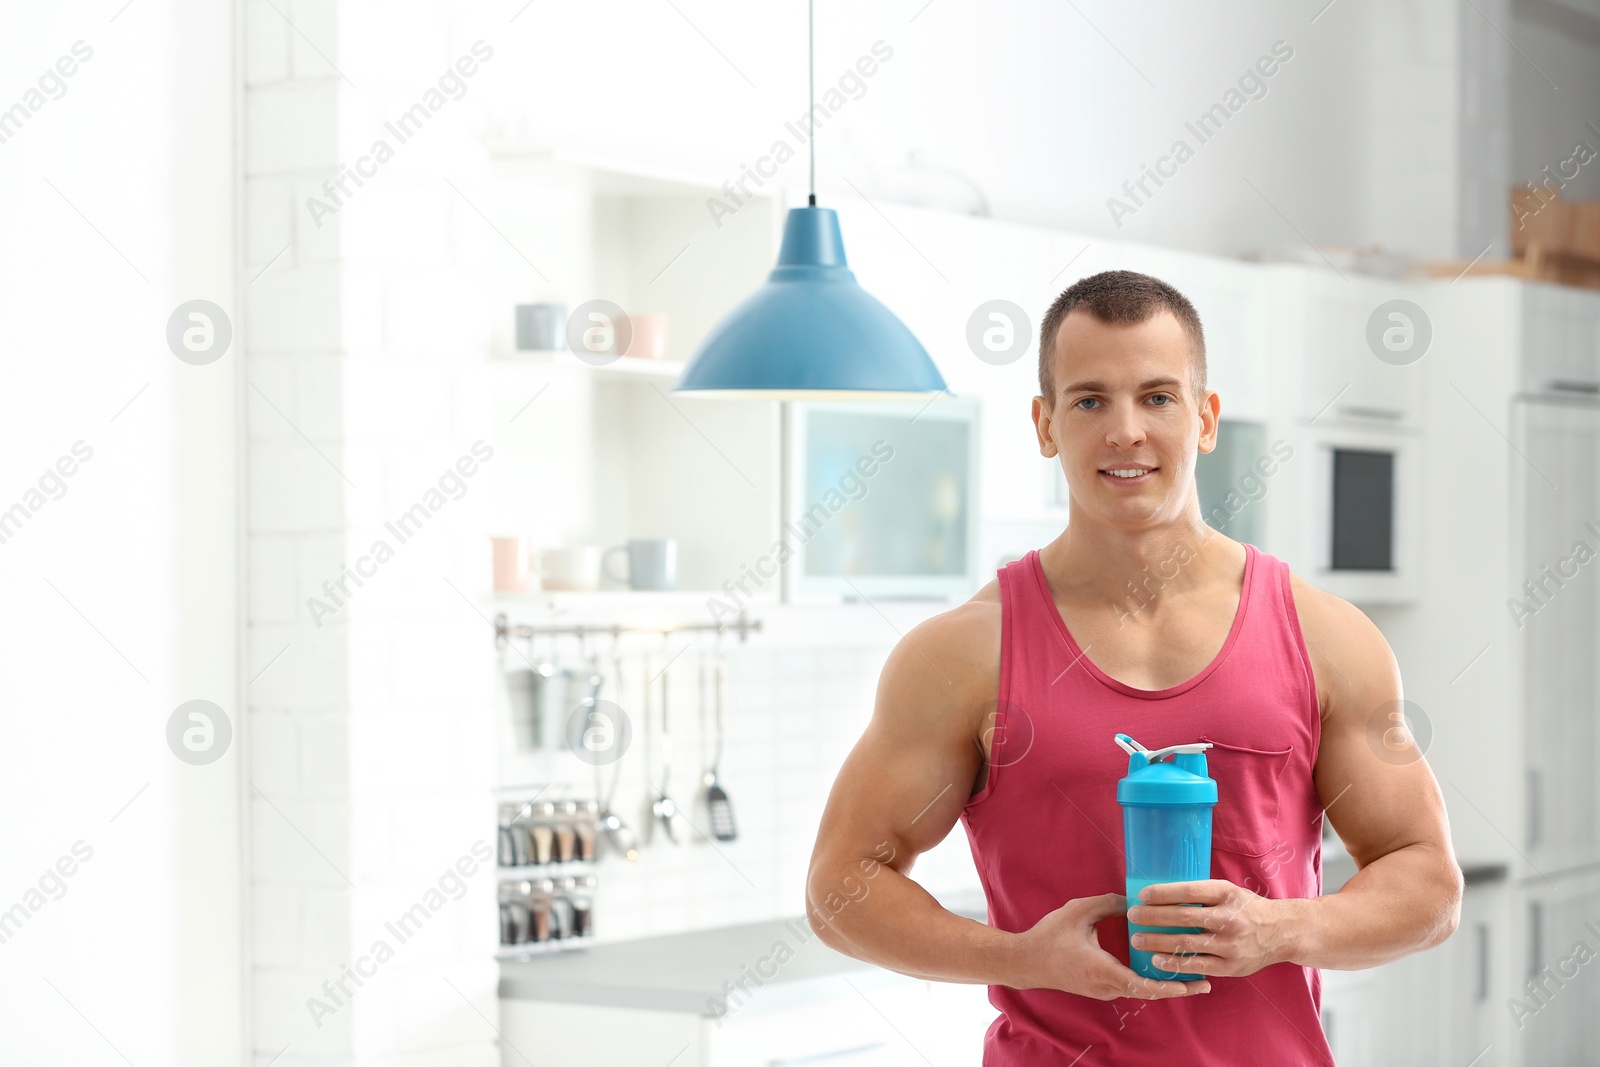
(1126, 429)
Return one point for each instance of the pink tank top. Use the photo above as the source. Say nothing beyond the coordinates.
(1046, 827)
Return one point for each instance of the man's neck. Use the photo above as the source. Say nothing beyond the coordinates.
(1095, 561)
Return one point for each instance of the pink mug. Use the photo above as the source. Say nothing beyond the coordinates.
(510, 564)
(649, 339)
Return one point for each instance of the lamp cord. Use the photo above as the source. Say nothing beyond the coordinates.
(811, 92)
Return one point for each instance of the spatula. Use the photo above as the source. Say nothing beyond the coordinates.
(717, 802)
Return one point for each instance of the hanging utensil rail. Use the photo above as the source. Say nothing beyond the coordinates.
(504, 629)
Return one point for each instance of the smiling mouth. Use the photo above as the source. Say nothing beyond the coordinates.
(1129, 475)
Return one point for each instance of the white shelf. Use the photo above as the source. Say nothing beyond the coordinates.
(569, 598)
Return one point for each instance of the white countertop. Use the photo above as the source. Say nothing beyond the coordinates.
(690, 972)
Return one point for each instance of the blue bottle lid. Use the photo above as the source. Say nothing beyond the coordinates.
(1152, 782)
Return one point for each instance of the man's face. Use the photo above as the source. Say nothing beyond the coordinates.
(1125, 421)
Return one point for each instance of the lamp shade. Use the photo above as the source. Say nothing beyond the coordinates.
(811, 332)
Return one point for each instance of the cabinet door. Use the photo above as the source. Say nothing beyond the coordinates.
(1342, 377)
(1560, 339)
(1349, 1015)
(1473, 976)
(1554, 1007)
(1559, 499)
(866, 1020)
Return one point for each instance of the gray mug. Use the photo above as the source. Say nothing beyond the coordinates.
(652, 563)
(541, 327)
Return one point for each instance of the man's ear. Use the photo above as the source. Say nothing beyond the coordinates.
(1041, 426)
(1210, 413)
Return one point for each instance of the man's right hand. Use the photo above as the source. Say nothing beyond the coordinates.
(1062, 952)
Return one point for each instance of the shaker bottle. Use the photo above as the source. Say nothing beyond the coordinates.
(1166, 831)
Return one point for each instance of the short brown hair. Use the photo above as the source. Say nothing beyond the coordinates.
(1122, 298)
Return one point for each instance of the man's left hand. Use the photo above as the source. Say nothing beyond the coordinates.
(1242, 931)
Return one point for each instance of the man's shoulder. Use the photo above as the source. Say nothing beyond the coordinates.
(962, 643)
(1328, 614)
(1340, 637)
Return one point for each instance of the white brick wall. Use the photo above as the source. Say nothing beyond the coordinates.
(370, 737)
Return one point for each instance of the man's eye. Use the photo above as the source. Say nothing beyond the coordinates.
(1086, 400)
(1164, 398)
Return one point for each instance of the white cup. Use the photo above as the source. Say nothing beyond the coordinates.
(574, 569)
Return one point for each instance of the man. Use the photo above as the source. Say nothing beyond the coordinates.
(1138, 619)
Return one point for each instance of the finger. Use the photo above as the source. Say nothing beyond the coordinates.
(1105, 906)
(1175, 944)
(1205, 891)
(1173, 915)
(1137, 985)
(1199, 964)
(1143, 988)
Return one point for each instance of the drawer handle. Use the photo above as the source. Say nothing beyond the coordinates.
(1535, 820)
(1363, 412)
(1535, 936)
(818, 1057)
(1483, 961)
(1564, 385)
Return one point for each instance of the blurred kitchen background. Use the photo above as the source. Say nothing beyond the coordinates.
(369, 588)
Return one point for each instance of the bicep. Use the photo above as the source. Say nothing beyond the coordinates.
(1371, 775)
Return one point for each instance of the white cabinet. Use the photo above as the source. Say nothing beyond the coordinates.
(1553, 1005)
(1349, 1019)
(1233, 299)
(1322, 324)
(1475, 975)
(903, 1024)
(1441, 1008)
(871, 1018)
(1557, 611)
(1560, 328)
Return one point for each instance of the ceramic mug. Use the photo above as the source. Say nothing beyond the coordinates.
(510, 564)
(649, 339)
(541, 327)
(652, 563)
(576, 568)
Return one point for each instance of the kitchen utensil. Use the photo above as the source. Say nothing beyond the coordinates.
(543, 696)
(718, 806)
(665, 809)
(528, 688)
(619, 836)
(652, 563)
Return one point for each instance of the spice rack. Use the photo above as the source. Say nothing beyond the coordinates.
(546, 842)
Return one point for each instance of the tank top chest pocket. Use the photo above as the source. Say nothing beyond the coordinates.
(1245, 819)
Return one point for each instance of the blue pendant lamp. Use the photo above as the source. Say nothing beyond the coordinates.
(811, 333)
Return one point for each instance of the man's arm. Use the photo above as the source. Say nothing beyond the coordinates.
(901, 790)
(1381, 798)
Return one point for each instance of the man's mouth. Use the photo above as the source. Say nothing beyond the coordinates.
(1128, 475)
